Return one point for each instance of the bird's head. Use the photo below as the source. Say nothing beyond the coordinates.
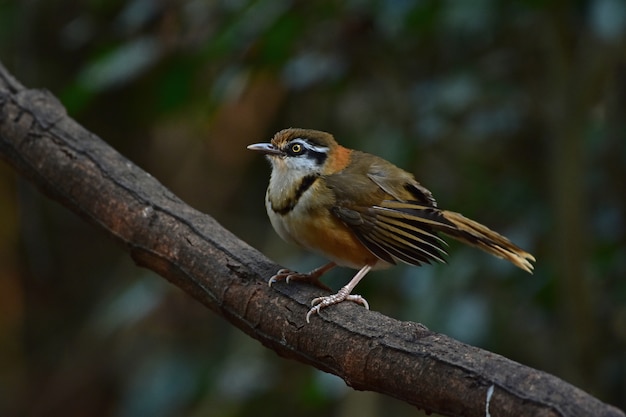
(298, 151)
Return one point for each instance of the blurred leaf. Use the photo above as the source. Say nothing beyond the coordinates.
(120, 65)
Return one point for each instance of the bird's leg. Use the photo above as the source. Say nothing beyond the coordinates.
(342, 295)
(312, 277)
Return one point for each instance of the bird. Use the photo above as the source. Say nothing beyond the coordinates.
(360, 211)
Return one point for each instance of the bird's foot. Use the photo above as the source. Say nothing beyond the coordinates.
(342, 295)
(287, 275)
(312, 277)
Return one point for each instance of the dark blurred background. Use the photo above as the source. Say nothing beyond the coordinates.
(512, 112)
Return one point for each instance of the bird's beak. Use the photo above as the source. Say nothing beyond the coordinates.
(265, 148)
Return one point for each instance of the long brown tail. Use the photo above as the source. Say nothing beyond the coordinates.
(475, 234)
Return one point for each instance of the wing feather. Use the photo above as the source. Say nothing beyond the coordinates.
(402, 236)
(392, 235)
(405, 223)
(404, 250)
(411, 227)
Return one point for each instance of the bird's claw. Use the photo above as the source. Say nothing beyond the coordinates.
(288, 275)
(329, 300)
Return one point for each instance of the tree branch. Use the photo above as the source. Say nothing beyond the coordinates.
(190, 249)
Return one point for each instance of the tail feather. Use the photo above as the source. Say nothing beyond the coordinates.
(475, 234)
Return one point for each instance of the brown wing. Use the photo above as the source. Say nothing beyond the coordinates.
(364, 195)
(401, 186)
(392, 236)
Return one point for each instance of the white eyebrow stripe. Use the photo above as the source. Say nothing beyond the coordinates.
(309, 145)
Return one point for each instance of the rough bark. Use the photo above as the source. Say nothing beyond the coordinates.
(368, 350)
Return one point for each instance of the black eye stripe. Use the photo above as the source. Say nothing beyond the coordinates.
(320, 157)
(307, 150)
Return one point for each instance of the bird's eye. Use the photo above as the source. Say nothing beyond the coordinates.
(296, 148)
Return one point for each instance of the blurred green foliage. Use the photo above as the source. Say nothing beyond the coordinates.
(511, 112)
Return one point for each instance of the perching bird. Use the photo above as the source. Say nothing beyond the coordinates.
(360, 211)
